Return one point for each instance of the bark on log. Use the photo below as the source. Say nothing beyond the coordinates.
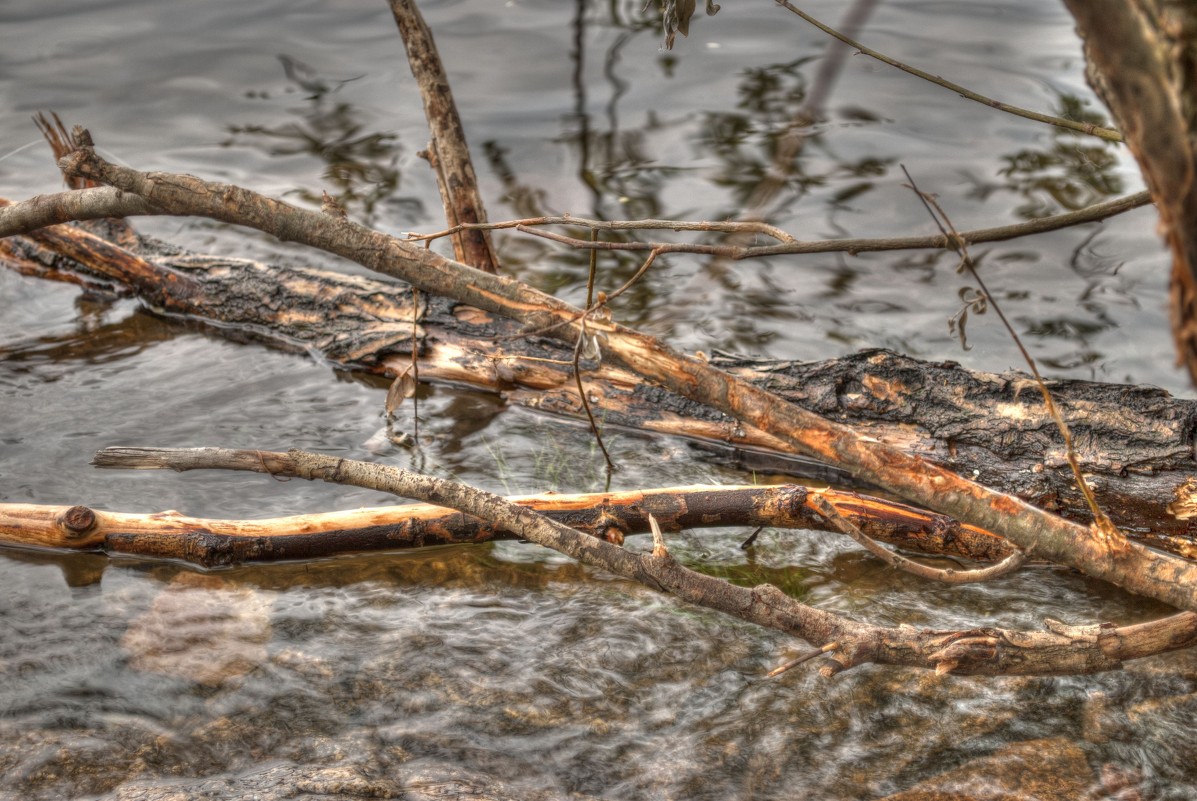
(1135, 443)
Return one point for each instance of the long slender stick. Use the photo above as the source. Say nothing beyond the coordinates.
(787, 244)
(608, 515)
(582, 344)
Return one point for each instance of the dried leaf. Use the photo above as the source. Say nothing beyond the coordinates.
(403, 387)
(590, 348)
(972, 300)
(676, 16)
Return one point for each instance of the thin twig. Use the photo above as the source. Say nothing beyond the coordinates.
(1072, 125)
(793, 663)
(415, 364)
(639, 274)
(619, 225)
(947, 576)
(746, 544)
(1100, 518)
(578, 347)
(792, 246)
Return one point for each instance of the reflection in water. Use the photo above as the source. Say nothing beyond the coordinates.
(535, 671)
(1075, 172)
(362, 165)
(95, 341)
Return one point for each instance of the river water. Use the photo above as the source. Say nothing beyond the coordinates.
(503, 669)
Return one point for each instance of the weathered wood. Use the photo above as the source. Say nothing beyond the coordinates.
(1135, 443)
(448, 153)
(609, 516)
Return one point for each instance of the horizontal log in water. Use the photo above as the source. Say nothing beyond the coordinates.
(610, 516)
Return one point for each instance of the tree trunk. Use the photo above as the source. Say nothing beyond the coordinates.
(1142, 59)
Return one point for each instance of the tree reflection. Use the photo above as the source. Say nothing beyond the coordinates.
(1073, 172)
(361, 165)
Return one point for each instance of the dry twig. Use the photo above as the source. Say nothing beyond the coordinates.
(947, 576)
(787, 244)
(1100, 519)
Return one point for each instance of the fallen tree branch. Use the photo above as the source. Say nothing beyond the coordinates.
(99, 202)
(1106, 556)
(988, 651)
(76, 204)
(610, 516)
(786, 243)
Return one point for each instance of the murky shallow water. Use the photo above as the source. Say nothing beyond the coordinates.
(502, 667)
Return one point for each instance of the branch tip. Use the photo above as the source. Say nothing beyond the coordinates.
(659, 549)
(82, 137)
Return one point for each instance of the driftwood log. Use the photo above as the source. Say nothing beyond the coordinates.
(609, 516)
(1103, 553)
(1135, 443)
(746, 392)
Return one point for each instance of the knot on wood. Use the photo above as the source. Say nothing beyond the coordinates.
(78, 521)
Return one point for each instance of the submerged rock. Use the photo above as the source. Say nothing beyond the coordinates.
(274, 783)
(201, 628)
(1035, 770)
